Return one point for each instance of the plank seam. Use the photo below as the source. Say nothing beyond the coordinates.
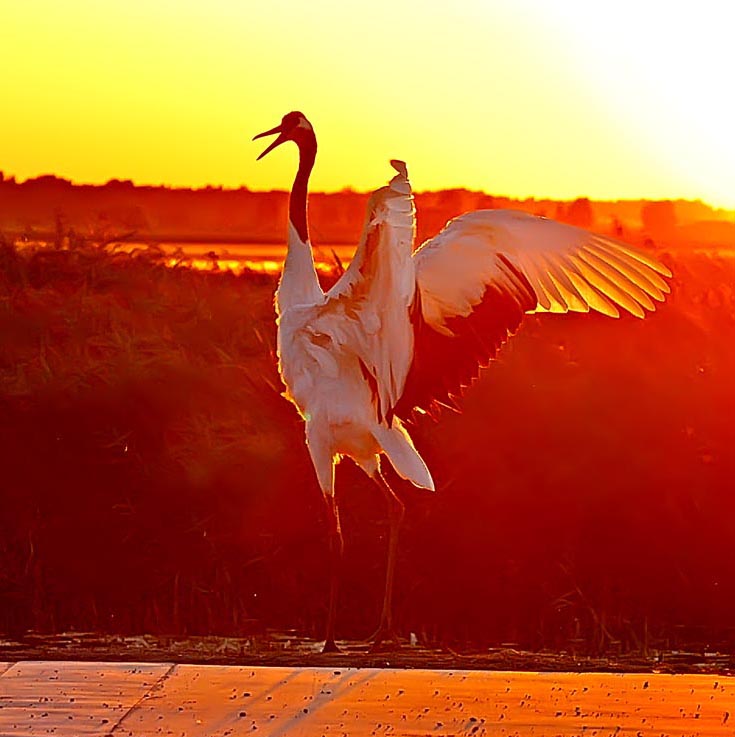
(145, 695)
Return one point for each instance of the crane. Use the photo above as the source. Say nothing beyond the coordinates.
(404, 331)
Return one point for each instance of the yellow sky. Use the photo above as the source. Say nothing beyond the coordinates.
(522, 97)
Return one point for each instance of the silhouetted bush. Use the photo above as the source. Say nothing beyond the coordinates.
(580, 213)
(658, 218)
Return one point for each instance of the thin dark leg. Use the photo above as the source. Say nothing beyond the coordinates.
(336, 547)
(396, 511)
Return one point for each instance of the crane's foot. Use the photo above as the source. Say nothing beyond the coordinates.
(384, 640)
(330, 646)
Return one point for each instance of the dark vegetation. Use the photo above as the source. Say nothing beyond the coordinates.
(48, 208)
(154, 481)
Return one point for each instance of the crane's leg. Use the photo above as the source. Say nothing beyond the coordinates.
(336, 548)
(322, 455)
(396, 511)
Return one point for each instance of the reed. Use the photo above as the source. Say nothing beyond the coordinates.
(154, 481)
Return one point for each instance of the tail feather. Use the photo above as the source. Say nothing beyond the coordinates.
(398, 446)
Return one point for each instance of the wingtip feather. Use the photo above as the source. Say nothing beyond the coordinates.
(400, 167)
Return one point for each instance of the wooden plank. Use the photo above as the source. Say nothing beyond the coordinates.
(4, 667)
(70, 699)
(214, 700)
(218, 701)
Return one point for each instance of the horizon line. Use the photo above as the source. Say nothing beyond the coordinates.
(12, 178)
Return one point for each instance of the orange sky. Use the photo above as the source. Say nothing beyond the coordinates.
(525, 98)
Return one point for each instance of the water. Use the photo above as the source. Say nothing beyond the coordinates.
(267, 257)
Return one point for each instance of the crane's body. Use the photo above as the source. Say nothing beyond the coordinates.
(405, 330)
(344, 355)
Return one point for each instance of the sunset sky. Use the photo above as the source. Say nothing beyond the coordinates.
(615, 99)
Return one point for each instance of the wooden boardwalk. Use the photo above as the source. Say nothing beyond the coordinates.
(70, 699)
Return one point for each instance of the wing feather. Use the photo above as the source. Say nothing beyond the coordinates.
(486, 269)
(612, 283)
(633, 268)
(367, 311)
(558, 272)
(630, 276)
(592, 288)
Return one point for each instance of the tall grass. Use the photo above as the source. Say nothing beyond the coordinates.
(154, 480)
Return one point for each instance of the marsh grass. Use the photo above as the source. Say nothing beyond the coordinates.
(129, 391)
(154, 480)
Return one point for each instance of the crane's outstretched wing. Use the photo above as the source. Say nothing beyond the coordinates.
(480, 274)
(367, 310)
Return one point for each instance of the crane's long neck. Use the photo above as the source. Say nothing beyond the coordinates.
(299, 282)
(297, 201)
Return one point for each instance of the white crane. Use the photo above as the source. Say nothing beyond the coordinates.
(404, 330)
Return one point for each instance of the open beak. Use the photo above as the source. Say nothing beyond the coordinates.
(281, 139)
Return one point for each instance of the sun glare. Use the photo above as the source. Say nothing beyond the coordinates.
(664, 72)
(532, 98)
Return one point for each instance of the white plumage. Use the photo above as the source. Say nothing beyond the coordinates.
(404, 330)
(345, 355)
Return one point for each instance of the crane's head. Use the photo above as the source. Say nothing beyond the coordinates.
(293, 127)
